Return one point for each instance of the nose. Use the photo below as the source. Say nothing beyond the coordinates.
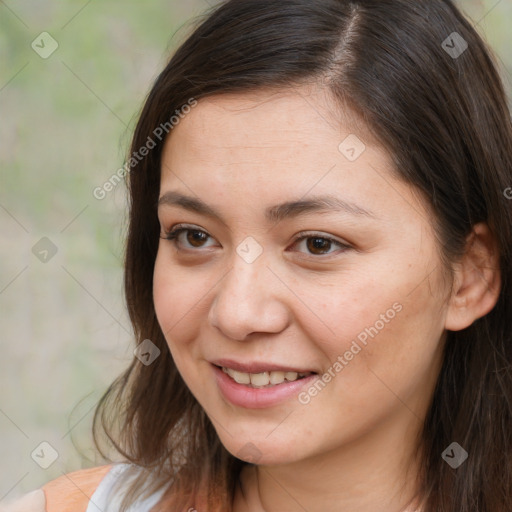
(249, 299)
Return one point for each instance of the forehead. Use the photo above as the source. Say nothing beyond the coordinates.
(296, 116)
(300, 128)
(245, 150)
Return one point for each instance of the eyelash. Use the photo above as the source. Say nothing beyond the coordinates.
(174, 232)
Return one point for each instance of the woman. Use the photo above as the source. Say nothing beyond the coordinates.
(317, 270)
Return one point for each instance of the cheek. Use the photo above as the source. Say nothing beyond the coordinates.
(375, 364)
(163, 295)
(388, 324)
(357, 306)
(177, 298)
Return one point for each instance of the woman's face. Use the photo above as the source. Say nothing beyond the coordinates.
(349, 287)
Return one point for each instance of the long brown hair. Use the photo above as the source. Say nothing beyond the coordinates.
(440, 110)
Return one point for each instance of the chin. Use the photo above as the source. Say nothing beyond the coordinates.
(262, 451)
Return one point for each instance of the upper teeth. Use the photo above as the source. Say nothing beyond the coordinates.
(263, 379)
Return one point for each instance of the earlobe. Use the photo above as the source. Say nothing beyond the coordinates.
(477, 280)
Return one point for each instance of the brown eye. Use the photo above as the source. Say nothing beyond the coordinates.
(317, 245)
(194, 238)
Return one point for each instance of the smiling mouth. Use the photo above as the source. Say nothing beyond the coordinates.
(263, 379)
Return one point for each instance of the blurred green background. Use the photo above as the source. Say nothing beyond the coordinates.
(65, 127)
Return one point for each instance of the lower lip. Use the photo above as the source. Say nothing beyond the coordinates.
(258, 398)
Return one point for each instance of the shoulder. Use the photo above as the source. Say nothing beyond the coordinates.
(98, 489)
(71, 491)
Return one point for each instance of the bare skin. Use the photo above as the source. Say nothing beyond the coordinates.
(349, 446)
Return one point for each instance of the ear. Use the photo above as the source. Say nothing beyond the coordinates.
(477, 280)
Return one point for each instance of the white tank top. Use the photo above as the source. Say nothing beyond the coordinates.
(102, 501)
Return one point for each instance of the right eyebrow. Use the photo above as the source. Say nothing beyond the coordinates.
(276, 213)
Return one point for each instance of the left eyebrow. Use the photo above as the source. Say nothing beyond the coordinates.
(321, 204)
(276, 213)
